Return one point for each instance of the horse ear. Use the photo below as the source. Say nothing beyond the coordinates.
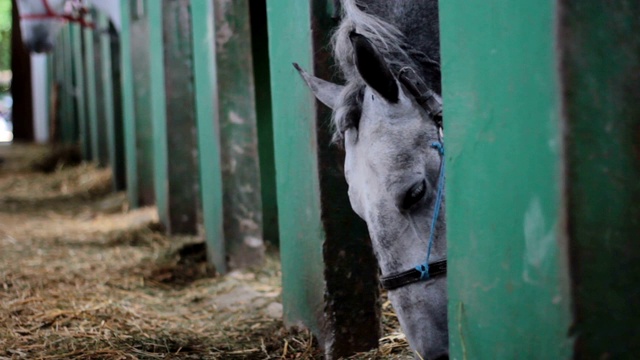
(326, 92)
(373, 68)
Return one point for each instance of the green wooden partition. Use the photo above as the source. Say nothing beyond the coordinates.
(508, 275)
(103, 102)
(90, 83)
(106, 89)
(78, 90)
(68, 128)
(239, 137)
(128, 104)
(141, 76)
(157, 107)
(543, 198)
(321, 239)
(206, 105)
(183, 202)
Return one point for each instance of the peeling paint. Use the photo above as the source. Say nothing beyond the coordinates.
(234, 118)
(253, 242)
(223, 35)
(538, 241)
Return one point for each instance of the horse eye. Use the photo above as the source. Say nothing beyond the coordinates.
(414, 194)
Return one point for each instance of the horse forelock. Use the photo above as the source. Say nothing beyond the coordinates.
(389, 42)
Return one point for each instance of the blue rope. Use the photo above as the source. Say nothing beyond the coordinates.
(424, 268)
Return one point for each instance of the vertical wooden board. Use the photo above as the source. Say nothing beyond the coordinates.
(118, 161)
(239, 138)
(600, 73)
(508, 273)
(141, 61)
(206, 107)
(90, 80)
(301, 232)
(321, 238)
(260, 54)
(103, 103)
(79, 89)
(158, 114)
(128, 105)
(68, 118)
(109, 79)
(182, 161)
(56, 101)
(106, 75)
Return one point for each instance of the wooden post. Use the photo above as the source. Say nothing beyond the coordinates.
(182, 160)
(92, 106)
(207, 115)
(78, 90)
(508, 278)
(239, 138)
(68, 119)
(157, 102)
(321, 239)
(139, 40)
(128, 104)
(117, 149)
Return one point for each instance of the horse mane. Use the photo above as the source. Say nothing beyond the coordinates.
(390, 43)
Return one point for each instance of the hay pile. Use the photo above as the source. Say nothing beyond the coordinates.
(82, 277)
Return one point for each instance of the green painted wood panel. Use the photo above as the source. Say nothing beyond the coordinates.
(79, 89)
(117, 150)
(106, 80)
(182, 162)
(158, 110)
(90, 79)
(141, 61)
(128, 113)
(321, 239)
(301, 232)
(508, 274)
(68, 130)
(58, 103)
(103, 101)
(239, 137)
(206, 107)
(600, 73)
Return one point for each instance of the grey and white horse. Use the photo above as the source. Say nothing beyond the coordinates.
(388, 117)
(41, 20)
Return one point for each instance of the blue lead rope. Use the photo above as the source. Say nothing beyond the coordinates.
(424, 268)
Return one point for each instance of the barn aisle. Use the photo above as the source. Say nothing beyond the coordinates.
(84, 277)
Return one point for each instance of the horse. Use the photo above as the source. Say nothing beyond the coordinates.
(41, 20)
(387, 116)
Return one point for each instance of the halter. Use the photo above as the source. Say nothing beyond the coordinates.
(425, 271)
(77, 17)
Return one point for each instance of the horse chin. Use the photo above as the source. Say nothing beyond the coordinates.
(422, 312)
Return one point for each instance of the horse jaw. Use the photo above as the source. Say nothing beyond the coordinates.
(39, 35)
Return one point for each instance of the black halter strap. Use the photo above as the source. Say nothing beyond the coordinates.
(395, 281)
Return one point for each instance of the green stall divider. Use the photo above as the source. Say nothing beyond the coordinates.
(207, 118)
(507, 274)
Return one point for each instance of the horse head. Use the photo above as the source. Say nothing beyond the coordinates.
(40, 22)
(394, 174)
